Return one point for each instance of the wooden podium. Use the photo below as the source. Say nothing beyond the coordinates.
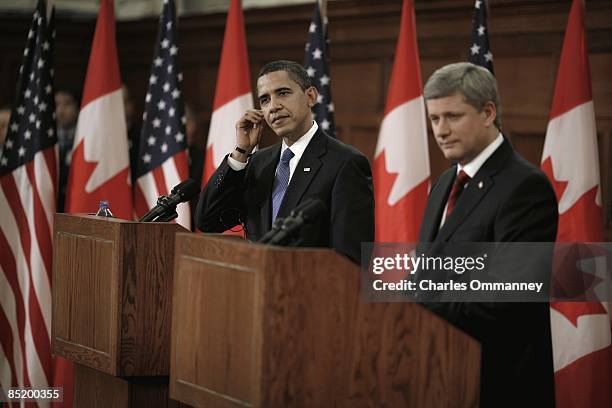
(112, 297)
(259, 326)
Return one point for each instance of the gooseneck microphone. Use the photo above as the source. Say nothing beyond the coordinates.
(276, 227)
(165, 210)
(305, 213)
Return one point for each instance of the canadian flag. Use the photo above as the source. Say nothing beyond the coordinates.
(233, 95)
(100, 167)
(401, 160)
(582, 349)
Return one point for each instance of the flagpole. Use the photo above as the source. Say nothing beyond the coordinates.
(323, 8)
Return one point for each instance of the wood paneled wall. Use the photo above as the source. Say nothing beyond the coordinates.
(526, 38)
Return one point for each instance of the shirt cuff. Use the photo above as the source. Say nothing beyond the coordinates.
(235, 164)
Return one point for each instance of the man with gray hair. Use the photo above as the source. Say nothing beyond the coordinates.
(490, 194)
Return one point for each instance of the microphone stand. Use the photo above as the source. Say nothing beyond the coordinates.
(167, 216)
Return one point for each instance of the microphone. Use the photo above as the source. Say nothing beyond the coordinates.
(165, 209)
(278, 223)
(305, 213)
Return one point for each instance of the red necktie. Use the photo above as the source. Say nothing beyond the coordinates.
(460, 181)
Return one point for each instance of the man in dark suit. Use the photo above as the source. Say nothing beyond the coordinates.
(490, 194)
(255, 189)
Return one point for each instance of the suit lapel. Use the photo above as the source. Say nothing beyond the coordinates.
(475, 191)
(437, 198)
(304, 173)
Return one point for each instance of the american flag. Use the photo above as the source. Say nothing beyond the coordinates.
(163, 159)
(480, 51)
(315, 61)
(28, 176)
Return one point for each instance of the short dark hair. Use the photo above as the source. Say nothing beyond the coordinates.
(296, 72)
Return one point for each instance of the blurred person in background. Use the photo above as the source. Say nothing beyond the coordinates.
(195, 148)
(67, 102)
(133, 130)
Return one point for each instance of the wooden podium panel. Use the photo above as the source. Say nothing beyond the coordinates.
(112, 294)
(260, 326)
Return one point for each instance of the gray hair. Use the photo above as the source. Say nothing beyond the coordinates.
(476, 83)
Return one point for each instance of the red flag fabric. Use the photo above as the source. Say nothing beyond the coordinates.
(233, 95)
(100, 161)
(581, 331)
(401, 161)
(28, 180)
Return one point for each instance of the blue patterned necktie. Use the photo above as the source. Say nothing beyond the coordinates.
(281, 181)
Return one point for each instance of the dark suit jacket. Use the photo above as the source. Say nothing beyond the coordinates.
(339, 175)
(514, 203)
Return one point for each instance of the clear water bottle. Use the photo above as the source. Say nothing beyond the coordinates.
(103, 210)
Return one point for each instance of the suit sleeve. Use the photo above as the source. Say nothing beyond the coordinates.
(352, 208)
(531, 215)
(221, 205)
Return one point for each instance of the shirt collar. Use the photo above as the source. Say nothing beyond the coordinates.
(299, 146)
(476, 163)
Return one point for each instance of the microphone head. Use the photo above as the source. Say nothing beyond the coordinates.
(186, 189)
(310, 209)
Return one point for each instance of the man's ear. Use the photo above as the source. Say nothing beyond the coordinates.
(490, 113)
(312, 95)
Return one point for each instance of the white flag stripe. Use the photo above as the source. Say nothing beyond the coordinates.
(45, 186)
(148, 189)
(404, 130)
(7, 302)
(38, 275)
(562, 147)
(102, 123)
(222, 134)
(572, 343)
(172, 179)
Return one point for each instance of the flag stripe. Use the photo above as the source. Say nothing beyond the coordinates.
(147, 189)
(45, 172)
(14, 253)
(35, 272)
(8, 319)
(160, 181)
(42, 231)
(172, 177)
(8, 375)
(140, 201)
